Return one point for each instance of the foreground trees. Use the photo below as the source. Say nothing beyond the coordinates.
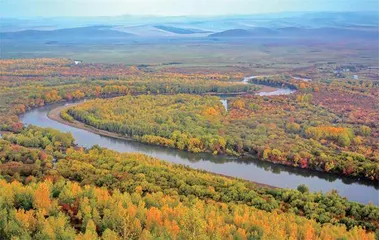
(130, 173)
(102, 194)
(65, 210)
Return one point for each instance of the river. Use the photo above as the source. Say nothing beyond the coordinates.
(255, 170)
(267, 91)
(362, 191)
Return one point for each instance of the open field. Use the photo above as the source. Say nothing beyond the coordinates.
(198, 55)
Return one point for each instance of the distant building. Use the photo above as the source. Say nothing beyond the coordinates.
(77, 62)
(355, 77)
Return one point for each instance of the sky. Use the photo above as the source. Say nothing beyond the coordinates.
(58, 8)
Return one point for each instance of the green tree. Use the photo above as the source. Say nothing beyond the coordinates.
(303, 188)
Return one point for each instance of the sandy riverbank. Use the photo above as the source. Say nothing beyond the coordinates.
(55, 115)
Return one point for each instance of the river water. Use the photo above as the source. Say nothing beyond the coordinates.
(252, 169)
(276, 92)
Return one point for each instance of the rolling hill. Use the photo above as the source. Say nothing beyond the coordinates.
(93, 32)
(180, 30)
(296, 32)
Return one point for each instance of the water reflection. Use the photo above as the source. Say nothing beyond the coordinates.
(279, 91)
(224, 103)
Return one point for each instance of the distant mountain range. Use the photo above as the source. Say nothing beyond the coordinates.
(296, 32)
(93, 32)
(343, 25)
(213, 24)
(180, 30)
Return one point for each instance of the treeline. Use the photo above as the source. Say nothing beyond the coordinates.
(286, 130)
(44, 138)
(65, 210)
(142, 177)
(187, 122)
(31, 83)
(285, 80)
(273, 81)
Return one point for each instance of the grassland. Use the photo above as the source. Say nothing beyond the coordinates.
(256, 57)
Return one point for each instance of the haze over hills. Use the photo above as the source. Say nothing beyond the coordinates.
(213, 24)
(127, 30)
(363, 24)
(67, 33)
(180, 30)
(295, 32)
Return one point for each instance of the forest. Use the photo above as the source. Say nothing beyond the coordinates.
(283, 129)
(54, 189)
(51, 188)
(30, 83)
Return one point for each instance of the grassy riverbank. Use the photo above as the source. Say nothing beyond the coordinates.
(288, 130)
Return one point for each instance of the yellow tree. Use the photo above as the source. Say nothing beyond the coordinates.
(42, 199)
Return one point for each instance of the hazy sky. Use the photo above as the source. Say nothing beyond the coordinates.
(48, 8)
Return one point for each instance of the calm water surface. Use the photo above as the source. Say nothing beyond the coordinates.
(253, 169)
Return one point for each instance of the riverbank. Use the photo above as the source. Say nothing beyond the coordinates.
(129, 107)
(263, 90)
(266, 89)
(54, 115)
(251, 170)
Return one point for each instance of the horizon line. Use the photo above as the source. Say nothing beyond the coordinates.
(190, 16)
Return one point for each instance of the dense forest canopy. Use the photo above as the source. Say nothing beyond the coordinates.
(51, 188)
(284, 129)
(30, 83)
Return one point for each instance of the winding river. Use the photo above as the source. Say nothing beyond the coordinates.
(362, 191)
